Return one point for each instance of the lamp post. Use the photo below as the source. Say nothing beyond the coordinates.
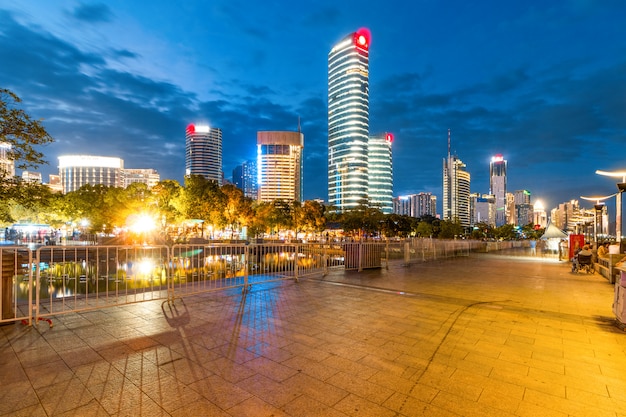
(598, 206)
(621, 187)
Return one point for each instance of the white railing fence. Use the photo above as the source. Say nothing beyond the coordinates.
(53, 280)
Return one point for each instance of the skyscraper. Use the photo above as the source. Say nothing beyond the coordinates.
(348, 121)
(380, 172)
(279, 164)
(497, 187)
(456, 189)
(203, 152)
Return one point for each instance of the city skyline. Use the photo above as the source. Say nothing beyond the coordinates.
(541, 85)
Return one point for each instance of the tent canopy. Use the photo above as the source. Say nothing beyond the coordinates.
(553, 232)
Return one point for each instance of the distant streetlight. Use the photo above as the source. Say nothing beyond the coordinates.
(621, 186)
(597, 208)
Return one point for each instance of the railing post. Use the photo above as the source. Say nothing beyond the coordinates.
(246, 253)
(360, 246)
(35, 307)
(295, 262)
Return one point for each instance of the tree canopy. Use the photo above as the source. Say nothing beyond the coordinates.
(20, 131)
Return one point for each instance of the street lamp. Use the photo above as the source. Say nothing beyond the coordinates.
(621, 186)
(597, 207)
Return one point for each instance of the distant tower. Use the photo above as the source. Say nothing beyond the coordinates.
(203, 152)
(497, 187)
(279, 165)
(348, 121)
(380, 172)
(456, 189)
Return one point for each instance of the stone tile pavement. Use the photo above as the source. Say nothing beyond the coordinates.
(486, 335)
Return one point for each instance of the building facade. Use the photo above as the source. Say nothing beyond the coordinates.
(78, 170)
(483, 209)
(245, 178)
(279, 165)
(150, 177)
(7, 165)
(348, 121)
(203, 152)
(380, 172)
(497, 187)
(416, 205)
(524, 210)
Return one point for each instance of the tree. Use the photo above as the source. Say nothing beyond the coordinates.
(21, 132)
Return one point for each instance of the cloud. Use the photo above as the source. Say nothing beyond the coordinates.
(92, 13)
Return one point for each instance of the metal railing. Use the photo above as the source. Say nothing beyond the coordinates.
(53, 280)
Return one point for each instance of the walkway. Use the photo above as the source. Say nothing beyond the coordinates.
(481, 336)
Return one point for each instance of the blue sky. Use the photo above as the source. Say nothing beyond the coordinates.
(543, 83)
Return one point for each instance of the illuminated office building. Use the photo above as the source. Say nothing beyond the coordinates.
(456, 190)
(497, 187)
(380, 172)
(78, 170)
(348, 121)
(279, 165)
(203, 152)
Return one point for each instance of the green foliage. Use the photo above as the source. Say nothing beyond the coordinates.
(21, 132)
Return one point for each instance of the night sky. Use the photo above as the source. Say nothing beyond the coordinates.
(543, 83)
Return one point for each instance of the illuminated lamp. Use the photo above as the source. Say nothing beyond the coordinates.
(389, 137)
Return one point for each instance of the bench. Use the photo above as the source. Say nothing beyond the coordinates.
(605, 266)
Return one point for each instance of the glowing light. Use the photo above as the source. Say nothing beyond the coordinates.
(193, 128)
(389, 137)
(497, 158)
(362, 38)
(141, 223)
(145, 266)
(90, 161)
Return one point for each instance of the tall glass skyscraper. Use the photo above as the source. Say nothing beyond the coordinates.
(348, 121)
(203, 152)
(380, 172)
(497, 187)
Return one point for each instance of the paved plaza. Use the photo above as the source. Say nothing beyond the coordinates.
(486, 335)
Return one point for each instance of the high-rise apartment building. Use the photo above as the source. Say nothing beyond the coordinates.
(348, 121)
(497, 187)
(203, 152)
(279, 165)
(380, 172)
(456, 189)
(416, 205)
(78, 170)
